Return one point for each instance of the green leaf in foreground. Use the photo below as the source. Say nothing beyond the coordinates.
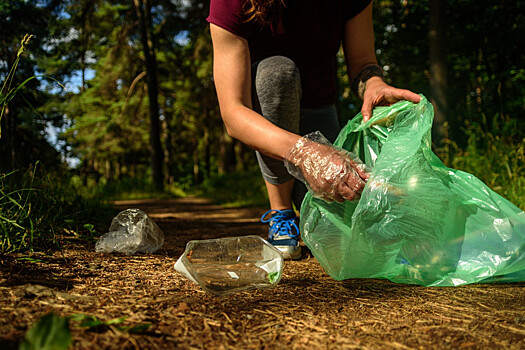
(51, 332)
(96, 325)
(30, 259)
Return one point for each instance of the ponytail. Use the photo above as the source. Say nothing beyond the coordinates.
(264, 12)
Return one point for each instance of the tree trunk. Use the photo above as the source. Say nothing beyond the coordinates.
(226, 153)
(87, 11)
(207, 152)
(118, 169)
(167, 155)
(239, 156)
(438, 68)
(108, 173)
(143, 9)
(196, 171)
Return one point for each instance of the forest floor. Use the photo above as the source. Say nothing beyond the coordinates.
(153, 306)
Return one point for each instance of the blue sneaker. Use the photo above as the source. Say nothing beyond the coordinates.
(283, 232)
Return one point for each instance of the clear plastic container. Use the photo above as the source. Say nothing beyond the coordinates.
(233, 264)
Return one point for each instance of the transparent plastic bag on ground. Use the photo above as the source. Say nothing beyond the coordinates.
(131, 231)
(417, 221)
(228, 265)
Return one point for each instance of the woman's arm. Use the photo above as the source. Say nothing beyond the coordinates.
(358, 45)
(232, 75)
(330, 173)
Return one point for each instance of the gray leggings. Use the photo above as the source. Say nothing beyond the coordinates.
(276, 94)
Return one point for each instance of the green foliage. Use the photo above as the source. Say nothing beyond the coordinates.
(236, 189)
(35, 206)
(494, 153)
(51, 332)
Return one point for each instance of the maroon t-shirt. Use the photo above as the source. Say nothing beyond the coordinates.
(311, 38)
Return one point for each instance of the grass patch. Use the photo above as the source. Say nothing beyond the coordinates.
(35, 207)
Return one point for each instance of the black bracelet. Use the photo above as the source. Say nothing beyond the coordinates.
(359, 83)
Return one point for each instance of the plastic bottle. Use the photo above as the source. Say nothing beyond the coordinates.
(233, 264)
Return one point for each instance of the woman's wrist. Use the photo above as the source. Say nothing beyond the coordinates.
(359, 83)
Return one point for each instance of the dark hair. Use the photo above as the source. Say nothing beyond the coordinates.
(264, 12)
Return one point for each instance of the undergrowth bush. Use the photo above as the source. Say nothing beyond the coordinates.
(36, 206)
(246, 189)
(125, 188)
(495, 153)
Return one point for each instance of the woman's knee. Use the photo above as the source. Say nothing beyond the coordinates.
(277, 73)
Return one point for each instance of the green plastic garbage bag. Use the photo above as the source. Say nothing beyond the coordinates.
(417, 221)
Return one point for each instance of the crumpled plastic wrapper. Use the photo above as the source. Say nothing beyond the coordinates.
(131, 231)
(330, 173)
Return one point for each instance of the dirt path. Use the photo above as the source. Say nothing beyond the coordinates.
(307, 310)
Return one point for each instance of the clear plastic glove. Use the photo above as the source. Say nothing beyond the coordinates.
(329, 172)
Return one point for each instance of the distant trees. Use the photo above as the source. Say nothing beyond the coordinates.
(152, 93)
(109, 115)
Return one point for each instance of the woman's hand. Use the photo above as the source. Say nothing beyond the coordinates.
(329, 172)
(379, 93)
(358, 45)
